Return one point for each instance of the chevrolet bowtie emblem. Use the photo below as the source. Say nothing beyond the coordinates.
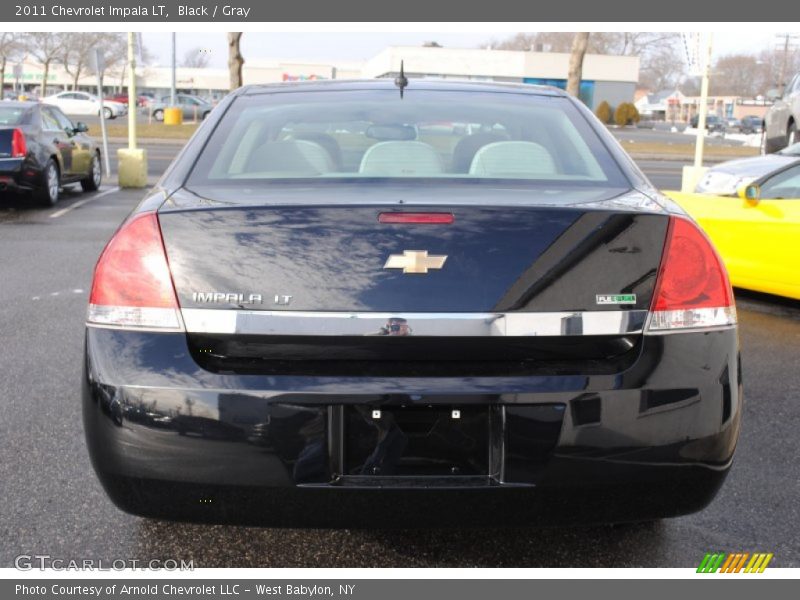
(414, 261)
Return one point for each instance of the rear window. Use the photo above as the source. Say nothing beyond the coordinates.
(429, 135)
(12, 115)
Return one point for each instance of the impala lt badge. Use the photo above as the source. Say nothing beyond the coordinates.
(227, 298)
(414, 261)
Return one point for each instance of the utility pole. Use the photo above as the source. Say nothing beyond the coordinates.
(132, 160)
(787, 42)
(172, 88)
(701, 116)
(692, 174)
(131, 94)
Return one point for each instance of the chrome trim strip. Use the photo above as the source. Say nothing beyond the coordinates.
(521, 324)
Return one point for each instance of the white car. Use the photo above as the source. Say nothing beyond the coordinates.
(82, 103)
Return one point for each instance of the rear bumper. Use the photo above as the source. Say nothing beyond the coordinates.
(170, 439)
(18, 175)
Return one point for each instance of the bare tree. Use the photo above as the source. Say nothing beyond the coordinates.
(736, 75)
(579, 44)
(10, 47)
(46, 47)
(197, 58)
(78, 51)
(235, 60)
(551, 41)
(661, 65)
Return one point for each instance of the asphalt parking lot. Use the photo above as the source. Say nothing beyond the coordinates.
(52, 503)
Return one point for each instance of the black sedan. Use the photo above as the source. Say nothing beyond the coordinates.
(713, 123)
(391, 303)
(41, 150)
(725, 179)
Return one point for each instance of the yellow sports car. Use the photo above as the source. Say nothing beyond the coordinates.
(757, 232)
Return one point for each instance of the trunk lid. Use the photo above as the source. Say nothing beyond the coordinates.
(334, 258)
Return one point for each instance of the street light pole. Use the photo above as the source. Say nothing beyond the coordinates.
(132, 169)
(131, 94)
(701, 116)
(693, 173)
(172, 89)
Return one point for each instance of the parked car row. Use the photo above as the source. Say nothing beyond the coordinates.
(142, 100)
(748, 124)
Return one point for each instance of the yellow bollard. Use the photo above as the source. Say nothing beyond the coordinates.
(173, 116)
(132, 167)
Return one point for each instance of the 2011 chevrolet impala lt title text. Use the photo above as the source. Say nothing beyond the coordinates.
(404, 304)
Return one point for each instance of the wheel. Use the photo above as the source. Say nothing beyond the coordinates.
(768, 146)
(158, 115)
(48, 194)
(791, 134)
(108, 113)
(92, 182)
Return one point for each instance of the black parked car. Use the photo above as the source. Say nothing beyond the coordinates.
(459, 304)
(42, 150)
(752, 124)
(713, 123)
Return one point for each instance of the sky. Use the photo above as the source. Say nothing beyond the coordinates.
(324, 46)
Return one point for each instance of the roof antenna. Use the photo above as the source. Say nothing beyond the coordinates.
(401, 81)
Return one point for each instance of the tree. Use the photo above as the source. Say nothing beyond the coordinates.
(196, 58)
(626, 114)
(660, 67)
(78, 52)
(46, 47)
(603, 112)
(579, 44)
(235, 60)
(10, 47)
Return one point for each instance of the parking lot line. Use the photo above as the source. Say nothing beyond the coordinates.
(65, 210)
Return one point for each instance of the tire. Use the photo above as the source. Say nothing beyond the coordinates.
(47, 195)
(108, 113)
(92, 182)
(791, 135)
(158, 115)
(769, 146)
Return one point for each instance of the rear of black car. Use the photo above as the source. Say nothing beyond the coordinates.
(451, 307)
(19, 169)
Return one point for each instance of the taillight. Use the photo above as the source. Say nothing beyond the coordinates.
(692, 290)
(132, 285)
(19, 148)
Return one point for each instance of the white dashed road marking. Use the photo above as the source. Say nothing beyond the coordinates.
(63, 211)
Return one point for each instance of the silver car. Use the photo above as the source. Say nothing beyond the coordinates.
(193, 107)
(781, 121)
